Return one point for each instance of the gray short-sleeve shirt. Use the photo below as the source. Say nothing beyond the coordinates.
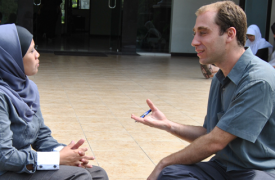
(243, 104)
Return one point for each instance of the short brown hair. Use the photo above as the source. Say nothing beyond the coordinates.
(228, 15)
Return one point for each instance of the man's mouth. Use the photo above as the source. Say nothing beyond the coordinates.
(199, 52)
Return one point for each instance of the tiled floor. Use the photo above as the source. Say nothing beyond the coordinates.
(93, 98)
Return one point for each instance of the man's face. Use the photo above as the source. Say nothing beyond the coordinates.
(208, 43)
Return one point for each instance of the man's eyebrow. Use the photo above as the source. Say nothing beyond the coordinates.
(201, 28)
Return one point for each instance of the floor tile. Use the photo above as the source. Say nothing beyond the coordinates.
(92, 98)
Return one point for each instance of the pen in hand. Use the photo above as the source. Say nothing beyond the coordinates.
(146, 113)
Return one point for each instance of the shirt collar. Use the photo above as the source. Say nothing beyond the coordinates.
(238, 70)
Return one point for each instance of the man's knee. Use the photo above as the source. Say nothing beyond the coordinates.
(169, 172)
(178, 172)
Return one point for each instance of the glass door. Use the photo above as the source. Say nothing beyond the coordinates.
(77, 26)
(17, 12)
(115, 27)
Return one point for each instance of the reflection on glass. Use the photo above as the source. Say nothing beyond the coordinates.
(62, 5)
(84, 4)
(153, 29)
(74, 3)
(9, 11)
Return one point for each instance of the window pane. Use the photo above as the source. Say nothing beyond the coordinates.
(153, 29)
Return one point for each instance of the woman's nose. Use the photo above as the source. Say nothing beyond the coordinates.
(37, 55)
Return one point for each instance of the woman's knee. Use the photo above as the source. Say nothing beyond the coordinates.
(98, 173)
(72, 172)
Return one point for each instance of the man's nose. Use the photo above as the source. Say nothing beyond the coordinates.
(195, 42)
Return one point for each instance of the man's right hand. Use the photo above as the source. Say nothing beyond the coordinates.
(73, 155)
(157, 119)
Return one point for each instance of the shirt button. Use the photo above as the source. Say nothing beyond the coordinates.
(223, 89)
(40, 166)
(54, 166)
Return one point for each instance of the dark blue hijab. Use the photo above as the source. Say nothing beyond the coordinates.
(14, 82)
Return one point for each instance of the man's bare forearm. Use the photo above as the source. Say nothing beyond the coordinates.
(186, 132)
(200, 149)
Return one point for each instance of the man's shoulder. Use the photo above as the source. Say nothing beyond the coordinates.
(258, 70)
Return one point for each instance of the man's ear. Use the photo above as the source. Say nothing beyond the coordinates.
(231, 34)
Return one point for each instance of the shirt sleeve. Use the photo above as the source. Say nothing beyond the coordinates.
(248, 111)
(44, 141)
(48, 160)
(12, 159)
(59, 148)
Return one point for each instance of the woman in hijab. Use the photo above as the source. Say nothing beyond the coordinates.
(26, 144)
(259, 46)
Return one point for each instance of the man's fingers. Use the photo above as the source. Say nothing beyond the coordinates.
(78, 144)
(151, 105)
(136, 118)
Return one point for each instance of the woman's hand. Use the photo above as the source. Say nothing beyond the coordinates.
(73, 155)
(157, 119)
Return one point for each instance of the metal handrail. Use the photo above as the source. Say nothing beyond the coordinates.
(37, 4)
(111, 6)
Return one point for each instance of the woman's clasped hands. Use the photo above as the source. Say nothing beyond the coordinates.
(74, 155)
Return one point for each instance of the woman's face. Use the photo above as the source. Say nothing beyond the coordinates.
(31, 61)
(251, 37)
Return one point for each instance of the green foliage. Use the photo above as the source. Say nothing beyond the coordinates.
(74, 3)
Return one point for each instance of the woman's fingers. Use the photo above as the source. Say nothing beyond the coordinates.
(78, 144)
(84, 163)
